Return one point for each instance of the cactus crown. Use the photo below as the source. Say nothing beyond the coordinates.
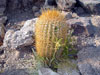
(49, 26)
(51, 15)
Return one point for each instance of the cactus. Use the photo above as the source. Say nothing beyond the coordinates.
(49, 26)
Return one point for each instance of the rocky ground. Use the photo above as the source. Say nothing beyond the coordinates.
(17, 26)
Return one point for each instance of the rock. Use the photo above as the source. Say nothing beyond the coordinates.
(79, 11)
(50, 3)
(96, 23)
(46, 71)
(23, 37)
(89, 60)
(18, 62)
(16, 72)
(83, 23)
(91, 6)
(69, 15)
(66, 4)
(68, 68)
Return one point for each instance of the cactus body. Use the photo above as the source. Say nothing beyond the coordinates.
(49, 26)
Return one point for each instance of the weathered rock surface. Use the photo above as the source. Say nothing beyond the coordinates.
(82, 25)
(23, 37)
(17, 62)
(66, 4)
(89, 61)
(68, 68)
(46, 71)
(91, 6)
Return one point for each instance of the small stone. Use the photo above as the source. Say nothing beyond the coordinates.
(68, 15)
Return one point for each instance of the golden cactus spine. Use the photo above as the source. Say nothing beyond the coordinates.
(49, 26)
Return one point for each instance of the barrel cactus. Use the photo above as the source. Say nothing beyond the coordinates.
(51, 25)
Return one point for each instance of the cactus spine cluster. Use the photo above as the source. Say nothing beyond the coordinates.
(49, 26)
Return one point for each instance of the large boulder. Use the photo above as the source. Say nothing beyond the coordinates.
(23, 37)
(91, 6)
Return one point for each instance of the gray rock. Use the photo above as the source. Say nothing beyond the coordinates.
(82, 23)
(66, 4)
(16, 72)
(69, 15)
(80, 11)
(68, 68)
(46, 71)
(91, 6)
(23, 37)
(89, 61)
(18, 63)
